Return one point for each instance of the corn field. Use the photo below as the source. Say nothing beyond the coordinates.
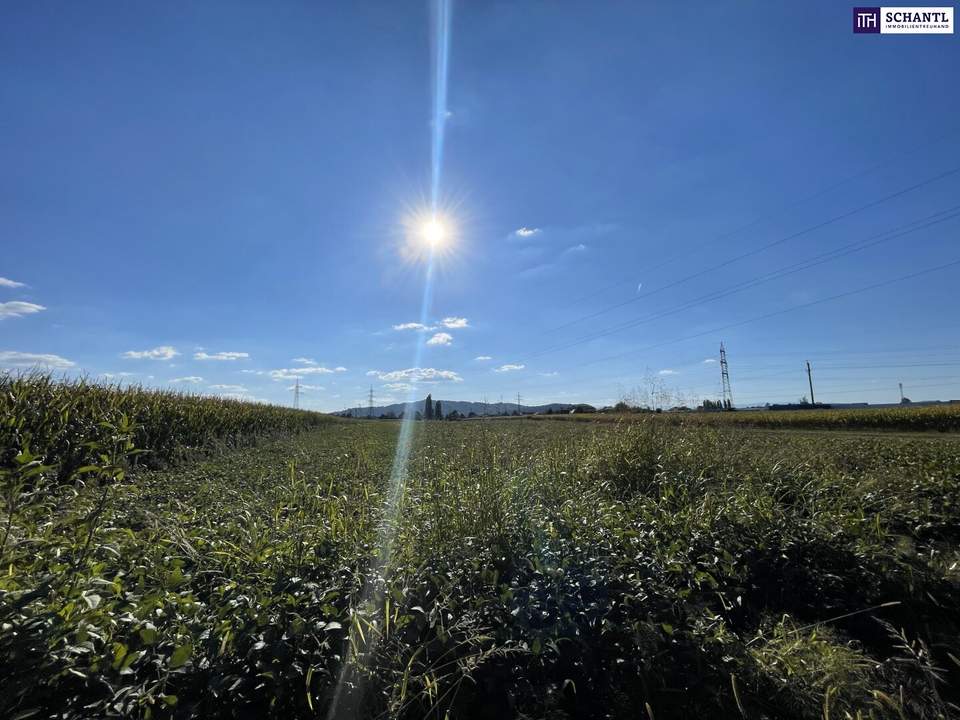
(65, 423)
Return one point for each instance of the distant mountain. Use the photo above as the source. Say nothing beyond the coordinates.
(464, 407)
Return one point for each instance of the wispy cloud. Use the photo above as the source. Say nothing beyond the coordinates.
(526, 232)
(398, 387)
(450, 323)
(414, 375)
(235, 389)
(299, 372)
(164, 352)
(668, 371)
(230, 356)
(509, 368)
(305, 387)
(709, 361)
(188, 380)
(11, 358)
(553, 373)
(19, 309)
(8, 283)
(304, 361)
(419, 327)
(483, 358)
(114, 376)
(440, 338)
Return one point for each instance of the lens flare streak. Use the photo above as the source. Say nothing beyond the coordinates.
(441, 59)
(349, 688)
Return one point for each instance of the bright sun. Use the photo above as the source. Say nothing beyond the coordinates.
(430, 235)
(433, 232)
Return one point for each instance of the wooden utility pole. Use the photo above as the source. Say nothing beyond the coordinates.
(810, 381)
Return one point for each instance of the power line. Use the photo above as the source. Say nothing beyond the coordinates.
(902, 365)
(849, 391)
(763, 248)
(912, 349)
(758, 219)
(832, 382)
(776, 313)
(777, 274)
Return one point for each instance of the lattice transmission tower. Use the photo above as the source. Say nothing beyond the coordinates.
(725, 378)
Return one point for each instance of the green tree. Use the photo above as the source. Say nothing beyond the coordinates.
(428, 408)
(437, 411)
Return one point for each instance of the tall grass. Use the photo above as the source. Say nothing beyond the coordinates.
(62, 422)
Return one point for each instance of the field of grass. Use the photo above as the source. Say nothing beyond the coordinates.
(930, 418)
(531, 569)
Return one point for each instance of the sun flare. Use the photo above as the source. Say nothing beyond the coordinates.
(434, 232)
(430, 235)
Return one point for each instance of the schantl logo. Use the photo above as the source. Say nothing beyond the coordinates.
(903, 20)
(866, 20)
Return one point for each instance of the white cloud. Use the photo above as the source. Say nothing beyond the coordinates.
(419, 375)
(294, 373)
(18, 309)
(339, 368)
(373, 373)
(7, 282)
(188, 380)
(398, 387)
(509, 368)
(550, 374)
(304, 361)
(164, 352)
(576, 248)
(221, 356)
(482, 358)
(450, 323)
(304, 386)
(238, 389)
(419, 327)
(440, 339)
(668, 371)
(526, 232)
(254, 372)
(709, 360)
(112, 376)
(11, 358)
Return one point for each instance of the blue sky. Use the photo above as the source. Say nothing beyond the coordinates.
(213, 197)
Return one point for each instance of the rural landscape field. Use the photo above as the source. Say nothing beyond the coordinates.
(479, 360)
(166, 556)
